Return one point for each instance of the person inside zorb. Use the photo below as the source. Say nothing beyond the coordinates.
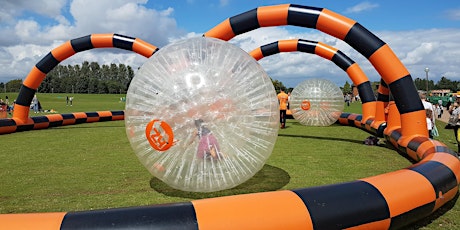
(208, 146)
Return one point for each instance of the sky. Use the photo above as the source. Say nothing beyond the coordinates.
(422, 34)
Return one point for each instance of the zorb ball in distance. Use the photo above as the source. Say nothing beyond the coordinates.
(316, 102)
(202, 115)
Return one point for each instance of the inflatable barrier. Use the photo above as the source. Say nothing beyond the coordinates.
(342, 61)
(21, 120)
(391, 200)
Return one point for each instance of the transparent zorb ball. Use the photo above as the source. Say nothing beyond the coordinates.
(202, 115)
(316, 102)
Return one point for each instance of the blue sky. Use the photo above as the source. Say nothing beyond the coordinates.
(422, 34)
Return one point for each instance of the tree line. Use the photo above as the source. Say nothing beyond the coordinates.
(88, 78)
(93, 78)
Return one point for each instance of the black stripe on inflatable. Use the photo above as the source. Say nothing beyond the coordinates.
(363, 40)
(81, 44)
(365, 92)
(369, 121)
(170, 216)
(270, 49)
(383, 97)
(7, 122)
(27, 127)
(395, 135)
(55, 123)
(92, 114)
(80, 120)
(40, 119)
(244, 22)
(398, 222)
(342, 60)
(440, 176)
(446, 149)
(405, 100)
(380, 130)
(47, 63)
(344, 115)
(416, 142)
(359, 117)
(109, 118)
(123, 42)
(383, 83)
(304, 16)
(306, 46)
(118, 113)
(68, 116)
(25, 96)
(345, 205)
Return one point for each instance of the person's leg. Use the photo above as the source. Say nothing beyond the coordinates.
(283, 118)
(456, 138)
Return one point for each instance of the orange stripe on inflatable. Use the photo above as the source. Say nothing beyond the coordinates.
(325, 51)
(393, 118)
(7, 129)
(21, 114)
(288, 45)
(222, 31)
(253, 211)
(446, 197)
(356, 74)
(368, 110)
(104, 113)
(414, 128)
(102, 40)
(54, 117)
(34, 78)
(399, 188)
(143, 48)
(383, 90)
(36, 221)
(42, 125)
(273, 15)
(334, 24)
(257, 54)
(63, 51)
(388, 65)
(380, 111)
(79, 115)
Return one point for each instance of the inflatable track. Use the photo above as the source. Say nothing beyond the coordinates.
(387, 201)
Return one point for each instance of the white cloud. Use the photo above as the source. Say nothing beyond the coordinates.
(364, 6)
(454, 14)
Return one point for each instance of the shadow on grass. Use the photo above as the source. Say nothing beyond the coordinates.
(269, 178)
(323, 138)
(435, 215)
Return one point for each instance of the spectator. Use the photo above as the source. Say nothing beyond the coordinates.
(283, 100)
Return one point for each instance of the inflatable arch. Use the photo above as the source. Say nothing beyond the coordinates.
(21, 120)
(342, 61)
(390, 200)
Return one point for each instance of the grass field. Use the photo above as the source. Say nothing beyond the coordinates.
(92, 166)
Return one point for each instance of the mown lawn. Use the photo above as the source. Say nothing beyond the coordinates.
(92, 166)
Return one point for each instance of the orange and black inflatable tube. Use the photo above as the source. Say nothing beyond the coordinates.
(21, 120)
(53, 58)
(337, 57)
(370, 46)
(55, 120)
(387, 201)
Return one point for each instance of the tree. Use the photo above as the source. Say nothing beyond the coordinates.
(278, 85)
(346, 88)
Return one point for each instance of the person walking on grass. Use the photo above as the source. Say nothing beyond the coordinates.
(283, 101)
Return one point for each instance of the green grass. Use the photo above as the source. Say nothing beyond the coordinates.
(92, 166)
